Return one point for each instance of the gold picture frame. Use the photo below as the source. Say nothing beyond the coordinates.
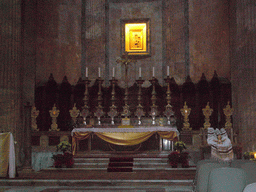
(136, 37)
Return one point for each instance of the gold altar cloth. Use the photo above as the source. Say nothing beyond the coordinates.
(122, 136)
(4, 143)
(7, 155)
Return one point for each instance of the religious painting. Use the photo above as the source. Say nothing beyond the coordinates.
(135, 37)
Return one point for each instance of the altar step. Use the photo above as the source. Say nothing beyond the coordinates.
(72, 177)
(120, 164)
(138, 163)
(148, 172)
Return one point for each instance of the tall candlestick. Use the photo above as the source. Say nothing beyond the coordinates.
(153, 71)
(86, 72)
(168, 71)
(113, 72)
(140, 72)
(99, 71)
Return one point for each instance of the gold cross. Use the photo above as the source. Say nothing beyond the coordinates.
(126, 61)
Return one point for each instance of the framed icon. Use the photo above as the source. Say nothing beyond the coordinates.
(135, 37)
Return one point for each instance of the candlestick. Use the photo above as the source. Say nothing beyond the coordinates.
(140, 72)
(113, 72)
(154, 111)
(139, 112)
(168, 71)
(99, 71)
(168, 108)
(153, 71)
(86, 112)
(99, 109)
(113, 109)
(86, 72)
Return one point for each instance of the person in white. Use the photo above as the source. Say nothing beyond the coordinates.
(211, 137)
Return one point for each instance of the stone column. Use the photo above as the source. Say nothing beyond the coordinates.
(27, 138)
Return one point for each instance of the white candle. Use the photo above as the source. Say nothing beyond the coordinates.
(153, 71)
(113, 72)
(168, 71)
(86, 72)
(140, 72)
(99, 71)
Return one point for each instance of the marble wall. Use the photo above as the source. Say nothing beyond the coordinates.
(192, 37)
(58, 42)
(244, 71)
(151, 10)
(11, 70)
(209, 38)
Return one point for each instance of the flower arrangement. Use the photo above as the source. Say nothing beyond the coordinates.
(178, 156)
(58, 160)
(179, 146)
(64, 146)
(249, 155)
(63, 159)
(174, 158)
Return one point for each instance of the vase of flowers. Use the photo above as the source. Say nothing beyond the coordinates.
(178, 156)
(174, 159)
(249, 155)
(184, 159)
(64, 146)
(179, 146)
(58, 160)
(66, 158)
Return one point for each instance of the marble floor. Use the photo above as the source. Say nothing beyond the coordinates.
(96, 189)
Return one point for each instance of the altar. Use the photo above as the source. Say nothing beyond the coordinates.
(122, 136)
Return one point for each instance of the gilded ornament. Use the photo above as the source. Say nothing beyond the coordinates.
(185, 111)
(228, 111)
(34, 115)
(207, 111)
(54, 113)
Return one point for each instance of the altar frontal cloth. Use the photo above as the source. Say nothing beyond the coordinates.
(7, 155)
(123, 136)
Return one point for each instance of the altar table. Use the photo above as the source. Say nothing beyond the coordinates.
(123, 136)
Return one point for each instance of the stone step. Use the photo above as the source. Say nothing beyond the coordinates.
(184, 184)
(171, 177)
(137, 163)
(91, 160)
(95, 154)
(103, 160)
(150, 160)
